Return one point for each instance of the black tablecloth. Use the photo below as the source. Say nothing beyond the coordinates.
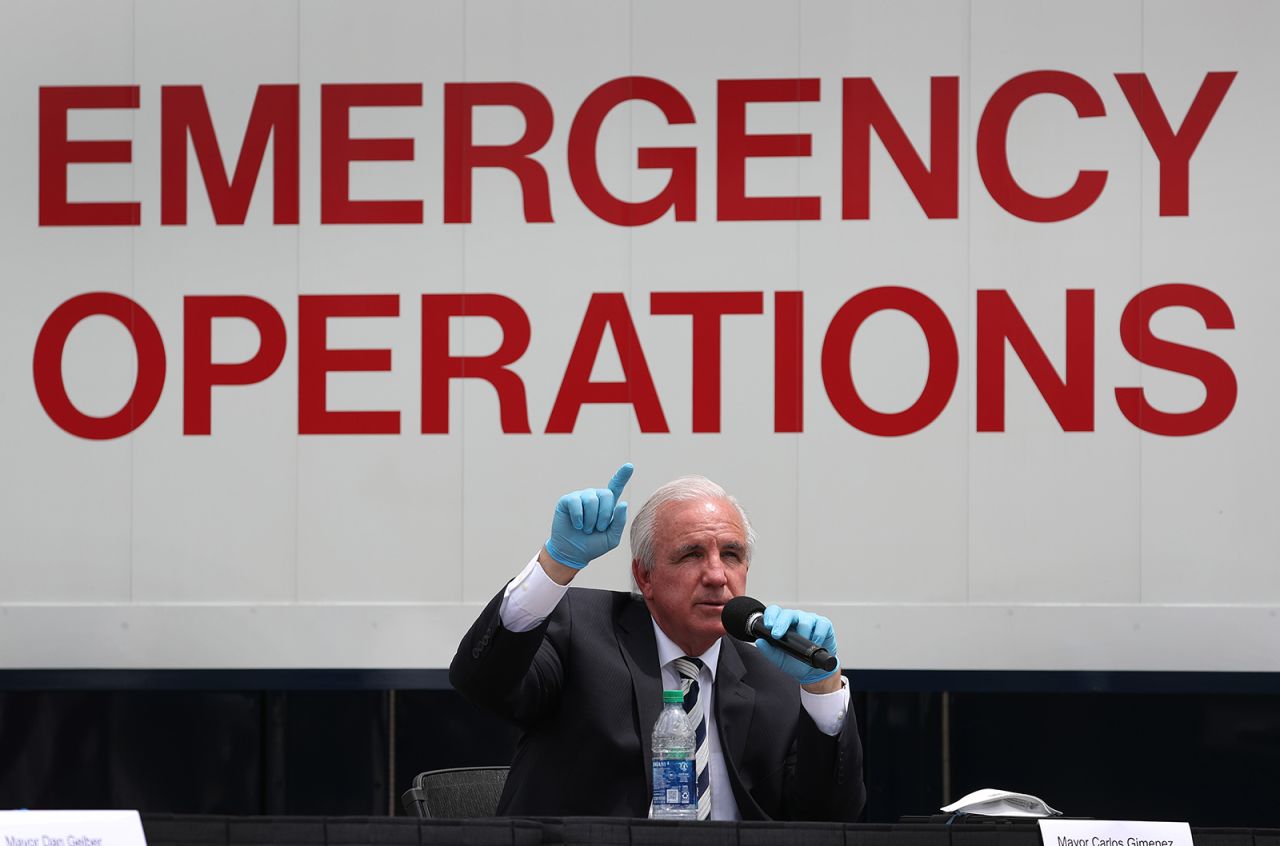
(173, 830)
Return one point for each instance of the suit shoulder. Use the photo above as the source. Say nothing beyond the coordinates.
(595, 596)
(593, 601)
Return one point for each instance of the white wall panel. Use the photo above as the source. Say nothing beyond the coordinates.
(1209, 533)
(65, 507)
(551, 269)
(214, 516)
(378, 515)
(883, 518)
(1039, 530)
(947, 547)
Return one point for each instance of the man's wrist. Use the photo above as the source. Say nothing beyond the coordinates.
(830, 684)
(559, 573)
(828, 710)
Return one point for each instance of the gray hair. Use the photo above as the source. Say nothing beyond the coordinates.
(684, 489)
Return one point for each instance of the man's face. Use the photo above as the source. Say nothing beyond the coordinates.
(700, 563)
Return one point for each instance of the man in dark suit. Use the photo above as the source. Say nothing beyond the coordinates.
(582, 671)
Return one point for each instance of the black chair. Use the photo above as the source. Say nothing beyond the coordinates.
(454, 794)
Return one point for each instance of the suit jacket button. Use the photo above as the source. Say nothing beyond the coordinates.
(475, 653)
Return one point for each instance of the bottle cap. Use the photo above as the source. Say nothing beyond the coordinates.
(675, 696)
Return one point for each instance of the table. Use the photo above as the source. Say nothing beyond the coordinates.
(179, 830)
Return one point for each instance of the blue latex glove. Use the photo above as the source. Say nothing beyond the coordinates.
(813, 627)
(588, 523)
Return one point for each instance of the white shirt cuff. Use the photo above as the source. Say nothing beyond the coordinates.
(827, 709)
(529, 598)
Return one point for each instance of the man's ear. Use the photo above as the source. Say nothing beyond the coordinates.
(641, 577)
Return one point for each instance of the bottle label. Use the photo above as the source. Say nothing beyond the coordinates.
(674, 784)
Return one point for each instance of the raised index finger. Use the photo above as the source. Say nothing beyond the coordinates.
(620, 479)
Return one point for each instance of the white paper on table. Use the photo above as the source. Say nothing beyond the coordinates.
(1002, 803)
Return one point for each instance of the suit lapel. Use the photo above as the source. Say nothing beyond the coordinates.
(640, 649)
(735, 702)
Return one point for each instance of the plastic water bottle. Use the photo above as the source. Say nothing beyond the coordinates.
(675, 770)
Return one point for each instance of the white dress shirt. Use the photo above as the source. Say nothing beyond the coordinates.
(531, 597)
(723, 805)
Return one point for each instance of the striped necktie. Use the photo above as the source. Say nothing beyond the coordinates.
(688, 668)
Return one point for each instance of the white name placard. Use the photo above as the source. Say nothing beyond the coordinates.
(71, 828)
(1114, 833)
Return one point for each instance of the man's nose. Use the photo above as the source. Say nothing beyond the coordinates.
(713, 571)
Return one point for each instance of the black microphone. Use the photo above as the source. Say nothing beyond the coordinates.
(743, 618)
